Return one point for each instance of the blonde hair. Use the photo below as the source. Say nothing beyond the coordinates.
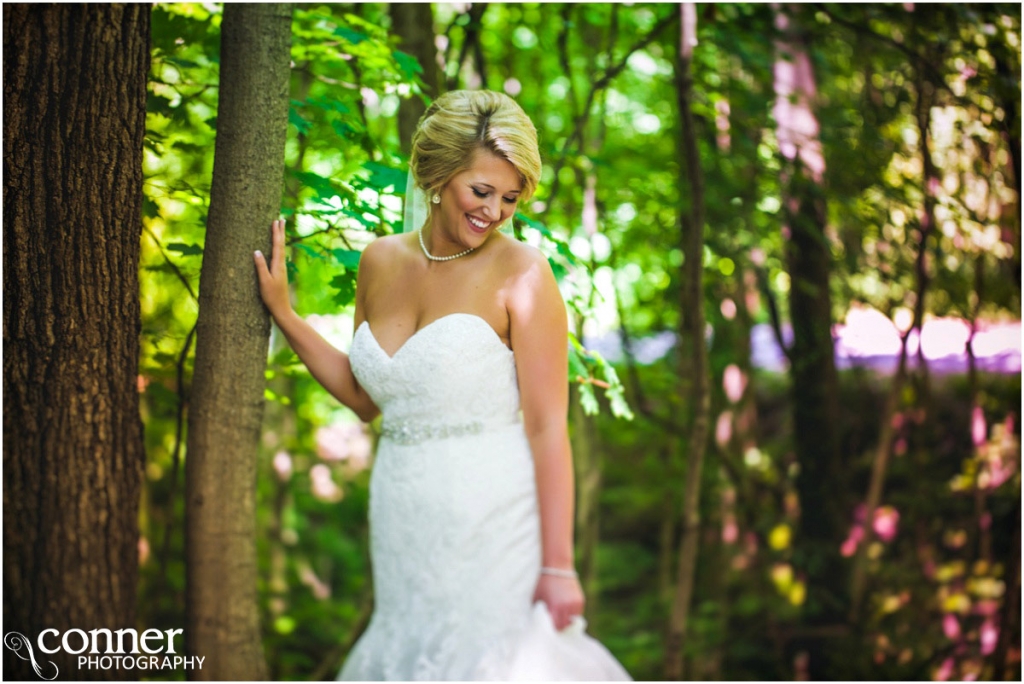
(459, 123)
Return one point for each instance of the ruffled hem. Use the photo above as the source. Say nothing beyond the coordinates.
(539, 652)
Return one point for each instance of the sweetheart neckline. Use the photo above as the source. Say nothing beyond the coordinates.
(494, 334)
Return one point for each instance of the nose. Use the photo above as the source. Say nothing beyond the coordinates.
(492, 208)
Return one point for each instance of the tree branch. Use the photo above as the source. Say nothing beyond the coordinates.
(606, 78)
(773, 311)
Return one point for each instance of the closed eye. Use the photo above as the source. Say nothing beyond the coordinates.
(484, 195)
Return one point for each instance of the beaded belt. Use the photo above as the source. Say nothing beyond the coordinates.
(411, 432)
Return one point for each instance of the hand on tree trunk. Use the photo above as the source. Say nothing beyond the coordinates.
(274, 280)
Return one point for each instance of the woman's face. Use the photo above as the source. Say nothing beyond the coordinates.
(477, 201)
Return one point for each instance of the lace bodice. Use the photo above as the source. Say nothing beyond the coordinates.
(452, 371)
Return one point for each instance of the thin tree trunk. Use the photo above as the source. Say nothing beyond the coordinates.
(932, 182)
(414, 24)
(588, 474)
(222, 615)
(471, 42)
(814, 384)
(879, 468)
(691, 223)
(74, 120)
(884, 450)
(982, 536)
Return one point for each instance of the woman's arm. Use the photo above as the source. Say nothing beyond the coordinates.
(326, 364)
(539, 336)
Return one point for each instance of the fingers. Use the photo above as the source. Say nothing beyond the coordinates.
(275, 266)
(565, 616)
(261, 264)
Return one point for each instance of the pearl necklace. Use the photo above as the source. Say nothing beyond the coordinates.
(437, 258)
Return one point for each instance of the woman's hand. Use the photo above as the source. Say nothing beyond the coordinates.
(274, 280)
(563, 596)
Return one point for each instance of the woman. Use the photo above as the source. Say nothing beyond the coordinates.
(461, 342)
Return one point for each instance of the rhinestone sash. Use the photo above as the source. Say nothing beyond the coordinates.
(407, 432)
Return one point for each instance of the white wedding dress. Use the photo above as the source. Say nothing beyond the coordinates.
(454, 524)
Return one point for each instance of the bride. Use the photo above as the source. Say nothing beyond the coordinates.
(460, 343)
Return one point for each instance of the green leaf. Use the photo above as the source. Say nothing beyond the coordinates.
(384, 177)
(345, 129)
(323, 187)
(301, 124)
(184, 249)
(588, 401)
(559, 270)
(577, 366)
(328, 105)
(353, 37)
(345, 284)
(309, 251)
(407, 63)
(349, 258)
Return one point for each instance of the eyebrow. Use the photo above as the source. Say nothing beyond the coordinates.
(488, 185)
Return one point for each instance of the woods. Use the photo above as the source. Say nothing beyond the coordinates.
(788, 236)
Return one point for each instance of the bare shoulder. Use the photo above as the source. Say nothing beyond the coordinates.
(384, 254)
(528, 281)
(520, 260)
(384, 249)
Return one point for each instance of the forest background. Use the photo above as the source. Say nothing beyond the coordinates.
(789, 238)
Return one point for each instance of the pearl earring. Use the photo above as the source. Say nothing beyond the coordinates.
(436, 199)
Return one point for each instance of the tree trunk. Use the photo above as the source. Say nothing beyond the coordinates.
(691, 224)
(222, 615)
(587, 460)
(414, 24)
(73, 457)
(812, 363)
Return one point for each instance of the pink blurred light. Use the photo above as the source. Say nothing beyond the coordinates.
(867, 332)
(951, 626)
(730, 531)
(283, 465)
(989, 636)
(985, 607)
(885, 523)
(945, 670)
(849, 546)
(734, 382)
(985, 520)
(728, 308)
(944, 337)
(344, 442)
(723, 429)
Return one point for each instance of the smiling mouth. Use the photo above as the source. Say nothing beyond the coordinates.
(479, 225)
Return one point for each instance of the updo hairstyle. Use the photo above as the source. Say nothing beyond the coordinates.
(459, 123)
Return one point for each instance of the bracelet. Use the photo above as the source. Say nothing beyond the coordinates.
(558, 572)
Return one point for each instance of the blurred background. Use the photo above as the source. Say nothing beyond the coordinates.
(796, 431)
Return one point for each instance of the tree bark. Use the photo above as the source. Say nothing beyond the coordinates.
(73, 457)
(587, 460)
(812, 363)
(414, 24)
(691, 225)
(222, 615)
